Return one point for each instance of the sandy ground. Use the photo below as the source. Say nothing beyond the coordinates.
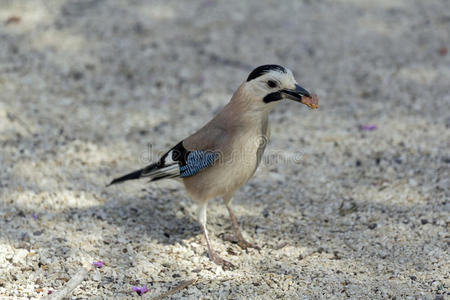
(92, 89)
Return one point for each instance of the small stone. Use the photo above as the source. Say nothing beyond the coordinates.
(76, 75)
(20, 256)
(179, 215)
(97, 276)
(372, 226)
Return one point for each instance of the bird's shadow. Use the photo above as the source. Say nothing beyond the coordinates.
(159, 218)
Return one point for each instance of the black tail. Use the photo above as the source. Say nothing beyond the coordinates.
(135, 175)
(166, 167)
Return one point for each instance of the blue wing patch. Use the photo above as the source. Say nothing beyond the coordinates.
(197, 161)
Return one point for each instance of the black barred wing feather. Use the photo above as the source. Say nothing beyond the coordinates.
(197, 161)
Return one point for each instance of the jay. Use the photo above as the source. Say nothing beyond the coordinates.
(221, 156)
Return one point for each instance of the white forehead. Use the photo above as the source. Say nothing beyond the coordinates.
(284, 78)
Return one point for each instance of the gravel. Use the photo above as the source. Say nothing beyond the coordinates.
(93, 89)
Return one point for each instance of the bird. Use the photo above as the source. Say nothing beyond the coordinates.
(223, 155)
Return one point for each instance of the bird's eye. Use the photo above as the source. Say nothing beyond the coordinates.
(271, 84)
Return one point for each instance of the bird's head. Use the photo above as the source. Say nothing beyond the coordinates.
(269, 84)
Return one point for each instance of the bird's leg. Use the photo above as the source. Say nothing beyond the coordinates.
(212, 254)
(237, 232)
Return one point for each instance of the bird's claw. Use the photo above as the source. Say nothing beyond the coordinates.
(226, 265)
(240, 241)
(245, 245)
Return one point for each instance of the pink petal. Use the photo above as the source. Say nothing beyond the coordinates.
(367, 127)
(140, 290)
(98, 264)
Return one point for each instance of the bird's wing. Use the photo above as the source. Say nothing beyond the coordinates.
(197, 161)
(180, 162)
(177, 162)
(195, 153)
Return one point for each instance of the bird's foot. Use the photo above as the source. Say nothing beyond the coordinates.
(239, 239)
(245, 245)
(226, 265)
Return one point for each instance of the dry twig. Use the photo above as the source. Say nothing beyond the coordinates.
(175, 290)
(70, 286)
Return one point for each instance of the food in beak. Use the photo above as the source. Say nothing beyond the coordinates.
(312, 102)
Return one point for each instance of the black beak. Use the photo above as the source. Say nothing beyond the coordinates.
(296, 94)
(301, 95)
